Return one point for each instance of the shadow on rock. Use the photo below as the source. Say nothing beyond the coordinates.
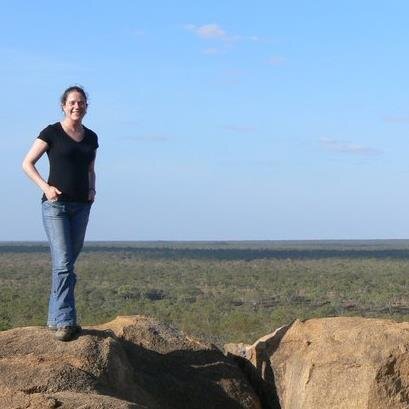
(131, 362)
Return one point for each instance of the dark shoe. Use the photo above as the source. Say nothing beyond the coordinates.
(67, 333)
(54, 328)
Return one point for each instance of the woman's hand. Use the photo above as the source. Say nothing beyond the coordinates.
(91, 195)
(52, 193)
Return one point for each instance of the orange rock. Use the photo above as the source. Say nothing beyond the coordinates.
(131, 362)
(331, 363)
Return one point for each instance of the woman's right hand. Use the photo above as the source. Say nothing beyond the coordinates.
(52, 193)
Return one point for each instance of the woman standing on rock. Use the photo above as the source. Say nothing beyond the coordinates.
(66, 202)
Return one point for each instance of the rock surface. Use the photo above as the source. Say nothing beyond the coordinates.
(330, 363)
(131, 362)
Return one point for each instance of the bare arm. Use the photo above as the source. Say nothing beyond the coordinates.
(33, 155)
(91, 179)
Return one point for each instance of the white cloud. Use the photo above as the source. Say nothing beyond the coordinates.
(348, 148)
(211, 51)
(136, 32)
(208, 31)
(276, 60)
(258, 163)
(402, 119)
(240, 128)
(214, 31)
(211, 31)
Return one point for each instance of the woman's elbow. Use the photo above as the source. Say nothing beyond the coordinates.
(26, 165)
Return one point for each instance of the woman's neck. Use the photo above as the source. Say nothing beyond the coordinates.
(70, 124)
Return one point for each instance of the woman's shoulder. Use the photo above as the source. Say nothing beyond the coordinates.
(49, 132)
(91, 135)
(90, 132)
(53, 127)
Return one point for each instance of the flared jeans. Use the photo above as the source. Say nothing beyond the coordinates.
(65, 224)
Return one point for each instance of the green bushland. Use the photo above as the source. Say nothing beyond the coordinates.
(219, 291)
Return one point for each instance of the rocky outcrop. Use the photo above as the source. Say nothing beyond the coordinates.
(138, 362)
(131, 362)
(330, 363)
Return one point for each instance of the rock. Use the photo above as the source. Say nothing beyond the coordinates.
(330, 363)
(131, 362)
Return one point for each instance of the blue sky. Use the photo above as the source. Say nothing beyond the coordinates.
(217, 120)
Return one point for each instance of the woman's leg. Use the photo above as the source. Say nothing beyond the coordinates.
(79, 214)
(57, 225)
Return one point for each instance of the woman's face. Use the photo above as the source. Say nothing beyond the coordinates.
(75, 106)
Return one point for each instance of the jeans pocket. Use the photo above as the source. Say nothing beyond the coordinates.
(53, 208)
(53, 202)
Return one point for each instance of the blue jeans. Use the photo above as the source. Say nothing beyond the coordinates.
(65, 224)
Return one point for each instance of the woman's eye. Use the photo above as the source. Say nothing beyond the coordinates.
(80, 103)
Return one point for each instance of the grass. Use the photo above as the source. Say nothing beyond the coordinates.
(223, 292)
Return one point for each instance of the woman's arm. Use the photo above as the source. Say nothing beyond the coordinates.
(91, 180)
(33, 155)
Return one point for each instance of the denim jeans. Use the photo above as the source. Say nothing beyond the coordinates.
(65, 224)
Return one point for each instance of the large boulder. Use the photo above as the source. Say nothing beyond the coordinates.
(330, 363)
(131, 362)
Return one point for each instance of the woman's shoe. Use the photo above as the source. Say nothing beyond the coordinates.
(67, 333)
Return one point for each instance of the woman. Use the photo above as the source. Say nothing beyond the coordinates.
(66, 202)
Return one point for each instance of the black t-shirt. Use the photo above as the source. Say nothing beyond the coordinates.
(69, 161)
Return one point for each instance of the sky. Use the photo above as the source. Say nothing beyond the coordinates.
(217, 120)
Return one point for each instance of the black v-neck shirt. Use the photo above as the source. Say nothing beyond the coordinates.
(69, 161)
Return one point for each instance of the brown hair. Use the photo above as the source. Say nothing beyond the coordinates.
(74, 88)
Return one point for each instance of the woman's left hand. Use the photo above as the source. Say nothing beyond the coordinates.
(91, 195)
